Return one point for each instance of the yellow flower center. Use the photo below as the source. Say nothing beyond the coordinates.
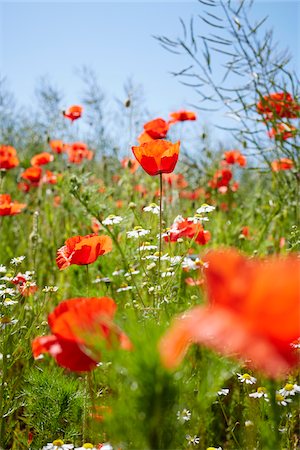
(261, 390)
(138, 227)
(288, 387)
(279, 397)
(58, 442)
(88, 445)
(246, 376)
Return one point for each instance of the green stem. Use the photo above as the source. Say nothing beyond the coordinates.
(160, 229)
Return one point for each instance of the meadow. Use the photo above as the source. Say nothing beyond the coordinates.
(149, 275)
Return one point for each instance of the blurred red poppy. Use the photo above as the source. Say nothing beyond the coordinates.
(253, 313)
(157, 128)
(73, 113)
(157, 157)
(78, 151)
(175, 180)
(8, 207)
(131, 164)
(32, 174)
(235, 157)
(278, 104)
(220, 179)
(57, 146)
(282, 164)
(79, 326)
(181, 116)
(8, 157)
(41, 158)
(82, 250)
(187, 228)
(282, 131)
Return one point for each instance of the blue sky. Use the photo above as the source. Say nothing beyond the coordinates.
(113, 38)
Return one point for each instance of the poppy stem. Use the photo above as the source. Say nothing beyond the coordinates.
(160, 226)
(87, 280)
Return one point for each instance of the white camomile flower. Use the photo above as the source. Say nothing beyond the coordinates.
(87, 445)
(205, 208)
(18, 260)
(50, 289)
(2, 268)
(195, 440)
(281, 400)
(223, 391)
(58, 444)
(184, 415)
(112, 220)
(147, 246)
(246, 378)
(260, 393)
(153, 208)
(137, 232)
(197, 218)
(289, 389)
(124, 288)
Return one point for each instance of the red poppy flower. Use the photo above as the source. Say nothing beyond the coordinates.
(131, 164)
(73, 113)
(192, 195)
(253, 313)
(187, 228)
(82, 250)
(50, 177)
(78, 151)
(144, 137)
(8, 207)
(282, 131)
(157, 128)
(57, 146)
(181, 116)
(175, 179)
(157, 156)
(278, 104)
(235, 157)
(78, 325)
(32, 174)
(282, 164)
(41, 158)
(8, 157)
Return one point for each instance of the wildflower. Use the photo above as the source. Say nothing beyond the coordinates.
(18, 260)
(58, 444)
(124, 288)
(33, 175)
(221, 179)
(131, 164)
(246, 378)
(82, 250)
(181, 116)
(282, 164)
(50, 289)
(147, 246)
(73, 113)
(153, 208)
(184, 415)
(240, 320)
(27, 288)
(6, 321)
(282, 400)
(131, 272)
(41, 158)
(57, 146)
(8, 157)
(112, 220)
(235, 157)
(214, 448)
(192, 440)
(116, 273)
(260, 393)
(223, 391)
(187, 228)
(137, 232)
(278, 104)
(289, 389)
(205, 209)
(168, 273)
(102, 280)
(8, 207)
(282, 131)
(87, 445)
(76, 325)
(157, 156)
(249, 423)
(4, 291)
(157, 128)
(77, 152)
(2, 268)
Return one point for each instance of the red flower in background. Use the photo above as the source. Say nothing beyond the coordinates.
(278, 104)
(282, 131)
(189, 229)
(157, 128)
(235, 157)
(131, 164)
(33, 175)
(78, 151)
(8, 157)
(73, 113)
(253, 313)
(181, 116)
(176, 180)
(78, 326)
(8, 207)
(82, 250)
(282, 164)
(41, 158)
(220, 179)
(157, 157)
(57, 146)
